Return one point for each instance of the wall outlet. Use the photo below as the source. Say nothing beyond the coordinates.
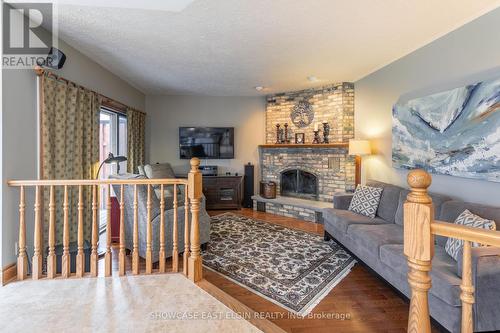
(16, 249)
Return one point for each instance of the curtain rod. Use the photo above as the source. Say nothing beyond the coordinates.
(106, 101)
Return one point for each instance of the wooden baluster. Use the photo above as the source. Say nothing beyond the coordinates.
(66, 268)
(149, 253)
(135, 251)
(94, 257)
(51, 258)
(162, 230)
(37, 254)
(175, 248)
(22, 258)
(195, 192)
(467, 295)
(419, 248)
(121, 258)
(185, 255)
(108, 256)
(80, 256)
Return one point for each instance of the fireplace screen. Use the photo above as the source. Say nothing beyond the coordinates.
(299, 183)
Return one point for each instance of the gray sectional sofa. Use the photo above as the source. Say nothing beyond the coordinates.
(378, 242)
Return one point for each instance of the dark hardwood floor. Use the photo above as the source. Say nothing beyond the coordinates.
(362, 301)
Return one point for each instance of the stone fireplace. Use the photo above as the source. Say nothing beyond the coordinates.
(307, 175)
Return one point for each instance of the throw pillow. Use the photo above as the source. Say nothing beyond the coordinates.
(455, 246)
(161, 171)
(366, 200)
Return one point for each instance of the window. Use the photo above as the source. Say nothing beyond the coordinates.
(112, 139)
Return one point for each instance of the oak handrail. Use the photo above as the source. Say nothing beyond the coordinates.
(76, 182)
(482, 236)
(420, 227)
(191, 257)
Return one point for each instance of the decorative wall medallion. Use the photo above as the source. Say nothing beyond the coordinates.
(302, 114)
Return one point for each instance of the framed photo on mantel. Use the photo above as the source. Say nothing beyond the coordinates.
(300, 138)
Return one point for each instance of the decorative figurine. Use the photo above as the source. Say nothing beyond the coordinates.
(278, 133)
(326, 132)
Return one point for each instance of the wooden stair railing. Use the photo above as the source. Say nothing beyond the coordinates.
(420, 227)
(192, 262)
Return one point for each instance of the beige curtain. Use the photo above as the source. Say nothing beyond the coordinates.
(136, 146)
(70, 147)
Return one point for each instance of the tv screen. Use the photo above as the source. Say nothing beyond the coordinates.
(206, 142)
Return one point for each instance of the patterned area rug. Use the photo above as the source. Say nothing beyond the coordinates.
(291, 268)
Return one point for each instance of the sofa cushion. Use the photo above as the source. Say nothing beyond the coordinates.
(454, 247)
(366, 200)
(339, 219)
(388, 201)
(445, 282)
(161, 171)
(452, 209)
(437, 200)
(371, 237)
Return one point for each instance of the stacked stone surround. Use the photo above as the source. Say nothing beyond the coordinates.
(300, 213)
(334, 104)
(334, 168)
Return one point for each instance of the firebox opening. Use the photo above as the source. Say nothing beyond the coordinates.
(299, 183)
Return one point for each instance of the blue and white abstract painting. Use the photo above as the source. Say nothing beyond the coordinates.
(456, 132)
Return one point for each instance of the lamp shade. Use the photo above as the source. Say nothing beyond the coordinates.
(359, 147)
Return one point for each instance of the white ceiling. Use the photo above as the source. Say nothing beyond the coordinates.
(227, 47)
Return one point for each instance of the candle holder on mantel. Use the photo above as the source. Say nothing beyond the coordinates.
(285, 139)
(278, 134)
(316, 137)
(326, 132)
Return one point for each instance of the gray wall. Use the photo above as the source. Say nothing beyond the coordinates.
(167, 113)
(466, 55)
(19, 127)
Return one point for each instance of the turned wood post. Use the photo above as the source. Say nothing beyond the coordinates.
(135, 251)
(94, 257)
(66, 263)
(162, 254)
(121, 254)
(22, 258)
(175, 247)
(195, 192)
(108, 256)
(419, 248)
(51, 258)
(80, 256)
(467, 294)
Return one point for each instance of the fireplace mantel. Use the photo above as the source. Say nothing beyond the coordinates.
(307, 145)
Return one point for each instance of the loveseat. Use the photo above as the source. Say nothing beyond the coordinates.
(378, 243)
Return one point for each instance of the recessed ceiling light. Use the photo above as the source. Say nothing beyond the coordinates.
(312, 78)
(259, 88)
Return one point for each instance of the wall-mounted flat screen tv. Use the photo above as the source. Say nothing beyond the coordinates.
(206, 142)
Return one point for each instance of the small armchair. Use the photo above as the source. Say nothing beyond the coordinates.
(142, 195)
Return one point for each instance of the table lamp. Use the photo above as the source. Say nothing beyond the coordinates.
(359, 148)
(111, 159)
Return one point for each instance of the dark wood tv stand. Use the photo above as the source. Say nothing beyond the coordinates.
(223, 192)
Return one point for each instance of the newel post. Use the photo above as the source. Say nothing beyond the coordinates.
(419, 248)
(195, 193)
